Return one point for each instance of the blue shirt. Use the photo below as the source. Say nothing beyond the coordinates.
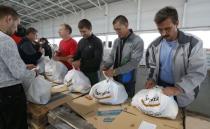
(166, 60)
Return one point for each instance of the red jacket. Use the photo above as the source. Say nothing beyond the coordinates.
(16, 38)
(66, 48)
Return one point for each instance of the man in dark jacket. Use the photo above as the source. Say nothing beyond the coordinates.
(89, 53)
(28, 50)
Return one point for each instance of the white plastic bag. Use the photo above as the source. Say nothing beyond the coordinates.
(49, 67)
(77, 81)
(41, 63)
(38, 90)
(58, 69)
(153, 102)
(109, 92)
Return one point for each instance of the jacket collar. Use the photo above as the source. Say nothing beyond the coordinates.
(130, 33)
(182, 38)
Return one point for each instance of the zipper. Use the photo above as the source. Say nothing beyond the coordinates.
(184, 55)
(174, 58)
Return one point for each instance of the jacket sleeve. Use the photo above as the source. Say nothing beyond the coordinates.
(150, 63)
(136, 55)
(98, 54)
(30, 53)
(11, 57)
(77, 55)
(109, 61)
(196, 70)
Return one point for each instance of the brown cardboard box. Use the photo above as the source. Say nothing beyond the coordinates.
(132, 118)
(196, 121)
(33, 125)
(88, 109)
(83, 106)
(38, 113)
(59, 88)
(129, 118)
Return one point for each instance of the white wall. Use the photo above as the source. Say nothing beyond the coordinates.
(196, 15)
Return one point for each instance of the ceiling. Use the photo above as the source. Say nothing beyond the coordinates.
(32, 11)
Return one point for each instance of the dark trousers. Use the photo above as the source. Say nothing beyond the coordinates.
(130, 88)
(13, 108)
(93, 77)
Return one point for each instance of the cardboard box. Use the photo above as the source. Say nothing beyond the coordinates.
(93, 112)
(38, 113)
(33, 125)
(132, 118)
(121, 116)
(64, 118)
(196, 121)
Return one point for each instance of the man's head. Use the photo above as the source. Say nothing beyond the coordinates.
(31, 34)
(85, 28)
(167, 22)
(21, 31)
(43, 40)
(9, 20)
(120, 25)
(65, 31)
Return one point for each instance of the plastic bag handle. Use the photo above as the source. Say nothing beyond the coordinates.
(107, 78)
(75, 68)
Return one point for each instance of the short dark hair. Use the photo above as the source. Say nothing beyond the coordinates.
(121, 19)
(68, 27)
(84, 23)
(166, 12)
(44, 39)
(21, 31)
(31, 30)
(5, 11)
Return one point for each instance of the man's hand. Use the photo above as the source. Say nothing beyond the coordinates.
(41, 50)
(103, 68)
(69, 60)
(30, 66)
(64, 58)
(150, 84)
(172, 91)
(56, 53)
(76, 64)
(109, 72)
(36, 71)
(56, 58)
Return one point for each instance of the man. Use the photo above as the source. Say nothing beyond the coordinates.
(12, 73)
(28, 49)
(125, 55)
(89, 53)
(175, 60)
(67, 46)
